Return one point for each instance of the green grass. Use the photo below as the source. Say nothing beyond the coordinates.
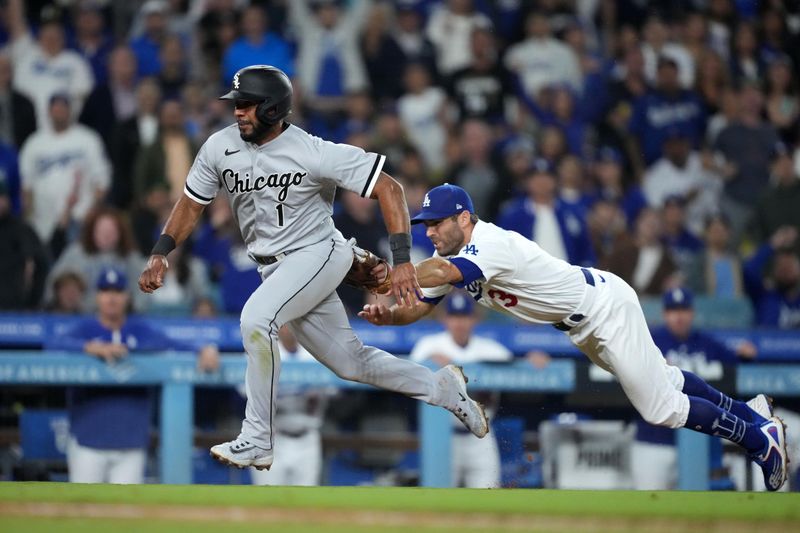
(624, 504)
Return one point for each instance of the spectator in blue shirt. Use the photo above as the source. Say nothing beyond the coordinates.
(110, 427)
(542, 217)
(668, 107)
(653, 454)
(147, 46)
(777, 301)
(92, 40)
(612, 185)
(682, 244)
(256, 46)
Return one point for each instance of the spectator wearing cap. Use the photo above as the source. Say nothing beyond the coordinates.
(475, 462)
(654, 458)
(544, 218)
(110, 426)
(745, 147)
(681, 172)
(612, 184)
(779, 205)
(541, 60)
(23, 260)
(663, 109)
(64, 171)
(257, 46)
(17, 114)
(776, 295)
(45, 67)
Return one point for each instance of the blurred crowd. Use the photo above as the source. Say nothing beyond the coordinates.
(656, 139)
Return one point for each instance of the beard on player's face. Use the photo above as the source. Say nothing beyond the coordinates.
(252, 131)
(450, 238)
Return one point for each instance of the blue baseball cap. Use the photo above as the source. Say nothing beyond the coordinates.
(460, 304)
(112, 279)
(442, 202)
(678, 298)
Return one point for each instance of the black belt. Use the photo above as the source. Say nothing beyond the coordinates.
(573, 320)
(267, 259)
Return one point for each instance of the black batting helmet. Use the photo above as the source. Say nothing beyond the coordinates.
(269, 86)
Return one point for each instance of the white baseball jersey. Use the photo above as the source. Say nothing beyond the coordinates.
(51, 164)
(39, 77)
(478, 349)
(506, 272)
(289, 181)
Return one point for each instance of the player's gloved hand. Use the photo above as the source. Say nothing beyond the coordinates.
(368, 271)
(405, 287)
(153, 275)
(377, 314)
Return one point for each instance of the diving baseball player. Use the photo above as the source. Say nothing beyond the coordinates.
(281, 182)
(601, 314)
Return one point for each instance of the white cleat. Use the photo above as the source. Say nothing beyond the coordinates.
(761, 404)
(242, 453)
(452, 380)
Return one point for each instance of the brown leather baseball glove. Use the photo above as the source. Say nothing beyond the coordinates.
(360, 274)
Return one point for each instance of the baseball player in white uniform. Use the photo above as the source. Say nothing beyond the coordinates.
(599, 312)
(281, 183)
(475, 462)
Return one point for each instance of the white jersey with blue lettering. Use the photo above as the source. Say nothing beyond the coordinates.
(507, 272)
(598, 310)
(281, 192)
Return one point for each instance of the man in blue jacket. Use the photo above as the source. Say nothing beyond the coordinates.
(653, 456)
(542, 217)
(110, 426)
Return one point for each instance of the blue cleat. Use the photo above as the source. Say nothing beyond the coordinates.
(773, 459)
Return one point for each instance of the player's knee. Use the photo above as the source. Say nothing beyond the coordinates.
(662, 417)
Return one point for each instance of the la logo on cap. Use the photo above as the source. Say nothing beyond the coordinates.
(426, 202)
(459, 206)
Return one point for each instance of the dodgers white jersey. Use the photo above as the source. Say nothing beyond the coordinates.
(478, 349)
(281, 193)
(507, 272)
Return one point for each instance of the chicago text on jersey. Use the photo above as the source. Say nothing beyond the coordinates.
(282, 181)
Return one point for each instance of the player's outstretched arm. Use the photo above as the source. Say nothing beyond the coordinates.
(392, 200)
(179, 226)
(435, 272)
(397, 315)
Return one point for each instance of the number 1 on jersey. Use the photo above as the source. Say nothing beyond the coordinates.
(279, 209)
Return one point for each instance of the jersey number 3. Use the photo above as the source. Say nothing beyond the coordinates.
(508, 300)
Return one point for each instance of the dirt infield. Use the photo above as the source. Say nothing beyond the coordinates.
(96, 517)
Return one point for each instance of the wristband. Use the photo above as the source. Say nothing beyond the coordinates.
(400, 244)
(164, 245)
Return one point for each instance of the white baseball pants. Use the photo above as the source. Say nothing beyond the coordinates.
(615, 337)
(93, 465)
